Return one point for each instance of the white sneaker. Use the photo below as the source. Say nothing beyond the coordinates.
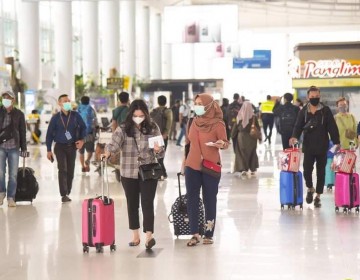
(11, 202)
(2, 197)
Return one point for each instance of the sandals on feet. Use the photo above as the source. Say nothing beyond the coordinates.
(193, 241)
(134, 243)
(208, 240)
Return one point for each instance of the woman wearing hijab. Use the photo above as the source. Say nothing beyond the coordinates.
(245, 150)
(206, 134)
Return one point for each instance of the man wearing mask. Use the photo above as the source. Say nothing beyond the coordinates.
(12, 138)
(317, 122)
(67, 129)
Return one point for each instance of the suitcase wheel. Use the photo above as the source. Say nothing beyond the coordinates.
(357, 210)
(99, 249)
(85, 249)
(301, 206)
(329, 187)
(345, 210)
(282, 206)
(336, 209)
(112, 247)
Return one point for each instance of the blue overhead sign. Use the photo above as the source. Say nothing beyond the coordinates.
(261, 59)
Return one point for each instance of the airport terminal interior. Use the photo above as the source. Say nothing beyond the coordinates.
(178, 49)
(254, 238)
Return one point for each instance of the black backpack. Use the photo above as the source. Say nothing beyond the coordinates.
(287, 118)
(158, 115)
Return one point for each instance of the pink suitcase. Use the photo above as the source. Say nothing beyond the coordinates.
(347, 191)
(98, 220)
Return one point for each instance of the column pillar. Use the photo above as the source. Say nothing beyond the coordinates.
(64, 48)
(127, 37)
(155, 47)
(143, 44)
(110, 36)
(29, 43)
(90, 41)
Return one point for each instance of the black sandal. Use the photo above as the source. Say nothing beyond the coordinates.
(193, 241)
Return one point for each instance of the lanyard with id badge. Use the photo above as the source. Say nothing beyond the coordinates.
(67, 133)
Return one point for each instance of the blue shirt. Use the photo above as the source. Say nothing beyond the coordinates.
(60, 123)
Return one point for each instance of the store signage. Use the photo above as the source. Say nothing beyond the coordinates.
(336, 68)
(114, 83)
(330, 69)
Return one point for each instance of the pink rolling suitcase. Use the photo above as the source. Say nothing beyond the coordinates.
(347, 191)
(98, 220)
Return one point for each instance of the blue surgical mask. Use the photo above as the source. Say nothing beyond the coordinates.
(67, 106)
(199, 110)
(6, 102)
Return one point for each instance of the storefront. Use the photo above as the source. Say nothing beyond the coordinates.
(333, 67)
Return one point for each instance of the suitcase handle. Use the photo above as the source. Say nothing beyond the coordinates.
(104, 175)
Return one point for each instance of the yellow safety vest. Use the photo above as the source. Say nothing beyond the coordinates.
(267, 106)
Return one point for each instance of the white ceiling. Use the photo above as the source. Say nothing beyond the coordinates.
(336, 14)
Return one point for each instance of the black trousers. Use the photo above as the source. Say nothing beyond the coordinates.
(161, 160)
(285, 137)
(136, 189)
(308, 165)
(268, 122)
(65, 156)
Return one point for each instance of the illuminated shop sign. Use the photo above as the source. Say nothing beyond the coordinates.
(330, 69)
(336, 68)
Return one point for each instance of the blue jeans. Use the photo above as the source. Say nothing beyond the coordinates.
(194, 180)
(181, 134)
(12, 157)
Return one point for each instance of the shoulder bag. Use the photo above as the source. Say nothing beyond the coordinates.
(254, 131)
(208, 167)
(349, 133)
(150, 171)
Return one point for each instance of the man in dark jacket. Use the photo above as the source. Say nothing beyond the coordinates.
(287, 115)
(317, 122)
(12, 138)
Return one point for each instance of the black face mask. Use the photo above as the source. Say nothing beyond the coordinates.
(314, 101)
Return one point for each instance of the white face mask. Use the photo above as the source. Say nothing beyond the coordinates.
(138, 120)
(6, 102)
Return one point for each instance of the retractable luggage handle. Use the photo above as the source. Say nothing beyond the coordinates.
(178, 176)
(23, 167)
(104, 173)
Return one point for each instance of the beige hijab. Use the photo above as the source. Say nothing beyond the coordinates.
(212, 116)
(245, 113)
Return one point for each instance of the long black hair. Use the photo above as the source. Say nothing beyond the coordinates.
(146, 126)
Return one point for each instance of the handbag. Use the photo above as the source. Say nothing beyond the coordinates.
(150, 171)
(254, 131)
(208, 167)
(211, 168)
(349, 133)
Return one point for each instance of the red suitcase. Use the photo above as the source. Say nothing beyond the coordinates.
(98, 220)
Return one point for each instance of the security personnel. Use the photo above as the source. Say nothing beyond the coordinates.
(267, 117)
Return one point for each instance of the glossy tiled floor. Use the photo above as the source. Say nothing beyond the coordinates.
(254, 238)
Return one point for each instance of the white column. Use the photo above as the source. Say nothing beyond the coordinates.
(90, 40)
(167, 62)
(63, 48)
(127, 37)
(29, 43)
(143, 43)
(110, 35)
(155, 47)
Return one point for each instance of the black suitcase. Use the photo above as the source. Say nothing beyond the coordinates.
(27, 185)
(180, 217)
